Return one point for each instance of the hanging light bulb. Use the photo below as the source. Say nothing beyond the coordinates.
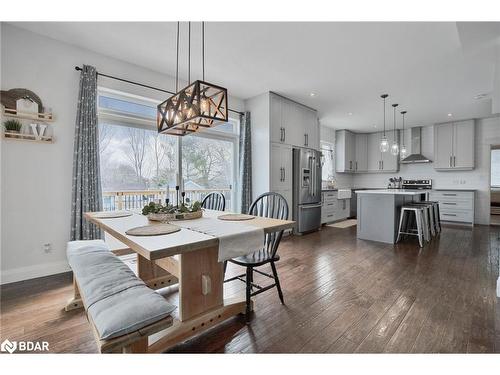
(403, 152)
(205, 104)
(384, 143)
(395, 145)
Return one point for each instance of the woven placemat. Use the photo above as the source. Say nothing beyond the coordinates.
(235, 217)
(112, 214)
(153, 230)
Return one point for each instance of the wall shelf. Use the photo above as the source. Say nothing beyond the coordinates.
(40, 117)
(27, 138)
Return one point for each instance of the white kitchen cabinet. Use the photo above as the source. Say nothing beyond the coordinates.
(345, 151)
(374, 156)
(455, 205)
(311, 128)
(281, 167)
(278, 132)
(379, 162)
(332, 208)
(454, 146)
(390, 163)
(361, 151)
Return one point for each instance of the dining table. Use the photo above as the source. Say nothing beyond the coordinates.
(191, 259)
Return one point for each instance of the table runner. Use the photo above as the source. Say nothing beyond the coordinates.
(235, 238)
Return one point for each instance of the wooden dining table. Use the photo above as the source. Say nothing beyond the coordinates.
(190, 259)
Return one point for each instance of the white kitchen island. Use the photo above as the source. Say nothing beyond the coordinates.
(378, 212)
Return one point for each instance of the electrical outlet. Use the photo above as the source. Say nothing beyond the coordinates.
(47, 248)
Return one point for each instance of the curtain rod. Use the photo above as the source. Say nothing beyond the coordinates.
(77, 68)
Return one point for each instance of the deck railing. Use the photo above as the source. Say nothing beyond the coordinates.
(136, 199)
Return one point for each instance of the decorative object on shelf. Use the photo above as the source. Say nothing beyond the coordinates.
(38, 130)
(153, 230)
(403, 152)
(158, 212)
(384, 143)
(395, 144)
(12, 126)
(9, 99)
(199, 105)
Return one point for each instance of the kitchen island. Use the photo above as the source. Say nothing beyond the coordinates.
(378, 212)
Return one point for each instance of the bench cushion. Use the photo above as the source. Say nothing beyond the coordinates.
(117, 301)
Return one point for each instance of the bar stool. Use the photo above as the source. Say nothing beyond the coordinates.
(437, 219)
(404, 219)
(430, 227)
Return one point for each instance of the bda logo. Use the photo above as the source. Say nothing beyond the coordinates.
(8, 346)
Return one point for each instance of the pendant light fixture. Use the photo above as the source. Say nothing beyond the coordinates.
(198, 106)
(384, 144)
(403, 152)
(395, 145)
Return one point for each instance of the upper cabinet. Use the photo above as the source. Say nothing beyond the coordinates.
(292, 123)
(454, 146)
(359, 153)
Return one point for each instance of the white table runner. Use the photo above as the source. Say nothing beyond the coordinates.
(235, 238)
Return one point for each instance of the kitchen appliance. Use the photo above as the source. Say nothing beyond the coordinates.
(424, 184)
(306, 190)
(416, 148)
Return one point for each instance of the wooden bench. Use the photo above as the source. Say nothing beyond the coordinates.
(122, 311)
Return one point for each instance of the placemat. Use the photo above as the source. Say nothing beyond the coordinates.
(235, 217)
(112, 214)
(153, 230)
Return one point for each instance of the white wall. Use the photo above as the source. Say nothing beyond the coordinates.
(487, 134)
(36, 178)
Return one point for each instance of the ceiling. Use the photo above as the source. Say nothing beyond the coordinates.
(430, 69)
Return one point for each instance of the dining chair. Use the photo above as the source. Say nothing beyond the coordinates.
(270, 205)
(214, 201)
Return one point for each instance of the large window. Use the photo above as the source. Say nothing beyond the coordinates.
(139, 165)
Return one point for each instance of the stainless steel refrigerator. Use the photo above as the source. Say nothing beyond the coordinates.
(306, 189)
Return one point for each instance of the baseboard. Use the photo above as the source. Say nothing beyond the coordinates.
(32, 272)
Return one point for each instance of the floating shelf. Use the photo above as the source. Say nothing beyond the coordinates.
(27, 137)
(43, 117)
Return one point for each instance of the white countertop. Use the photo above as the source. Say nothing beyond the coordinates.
(394, 191)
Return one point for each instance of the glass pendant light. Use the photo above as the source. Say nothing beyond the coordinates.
(403, 152)
(395, 145)
(384, 143)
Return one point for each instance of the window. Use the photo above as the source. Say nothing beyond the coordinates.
(139, 165)
(328, 169)
(495, 168)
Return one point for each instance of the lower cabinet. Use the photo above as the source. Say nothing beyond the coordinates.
(332, 208)
(455, 206)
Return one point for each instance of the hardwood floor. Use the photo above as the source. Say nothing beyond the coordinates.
(342, 295)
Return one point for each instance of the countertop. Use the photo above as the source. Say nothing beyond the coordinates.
(393, 191)
(454, 189)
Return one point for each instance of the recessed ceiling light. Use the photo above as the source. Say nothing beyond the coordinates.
(312, 95)
(449, 115)
(374, 126)
(350, 113)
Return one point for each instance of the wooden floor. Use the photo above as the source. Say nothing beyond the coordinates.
(342, 295)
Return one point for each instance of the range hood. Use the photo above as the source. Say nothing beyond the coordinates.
(416, 148)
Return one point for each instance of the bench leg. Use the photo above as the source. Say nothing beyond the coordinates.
(75, 302)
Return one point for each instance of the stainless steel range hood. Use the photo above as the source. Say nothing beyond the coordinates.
(416, 148)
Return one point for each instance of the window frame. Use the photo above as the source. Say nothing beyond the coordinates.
(114, 117)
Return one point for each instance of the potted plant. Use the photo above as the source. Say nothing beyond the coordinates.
(13, 126)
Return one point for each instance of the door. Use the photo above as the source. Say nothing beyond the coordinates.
(443, 146)
(277, 171)
(275, 118)
(463, 145)
(286, 164)
(350, 151)
(361, 159)
(374, 154)
(309, 217)
(305, 168)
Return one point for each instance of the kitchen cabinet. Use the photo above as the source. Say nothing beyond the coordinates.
(455, 205)
(281, 167)
(361, 151)
(379, 162)
(332, 208)
(345, 151)
(292, 123)
(454, 146)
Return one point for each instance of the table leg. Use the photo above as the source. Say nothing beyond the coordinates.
(154, 276)
(75, 302)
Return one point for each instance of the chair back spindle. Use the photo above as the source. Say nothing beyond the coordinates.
(214, 201)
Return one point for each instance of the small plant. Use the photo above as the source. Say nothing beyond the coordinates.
(158, 208)
(13, 126)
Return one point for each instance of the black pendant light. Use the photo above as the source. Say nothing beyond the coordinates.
(395, 145)
(384, 144)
